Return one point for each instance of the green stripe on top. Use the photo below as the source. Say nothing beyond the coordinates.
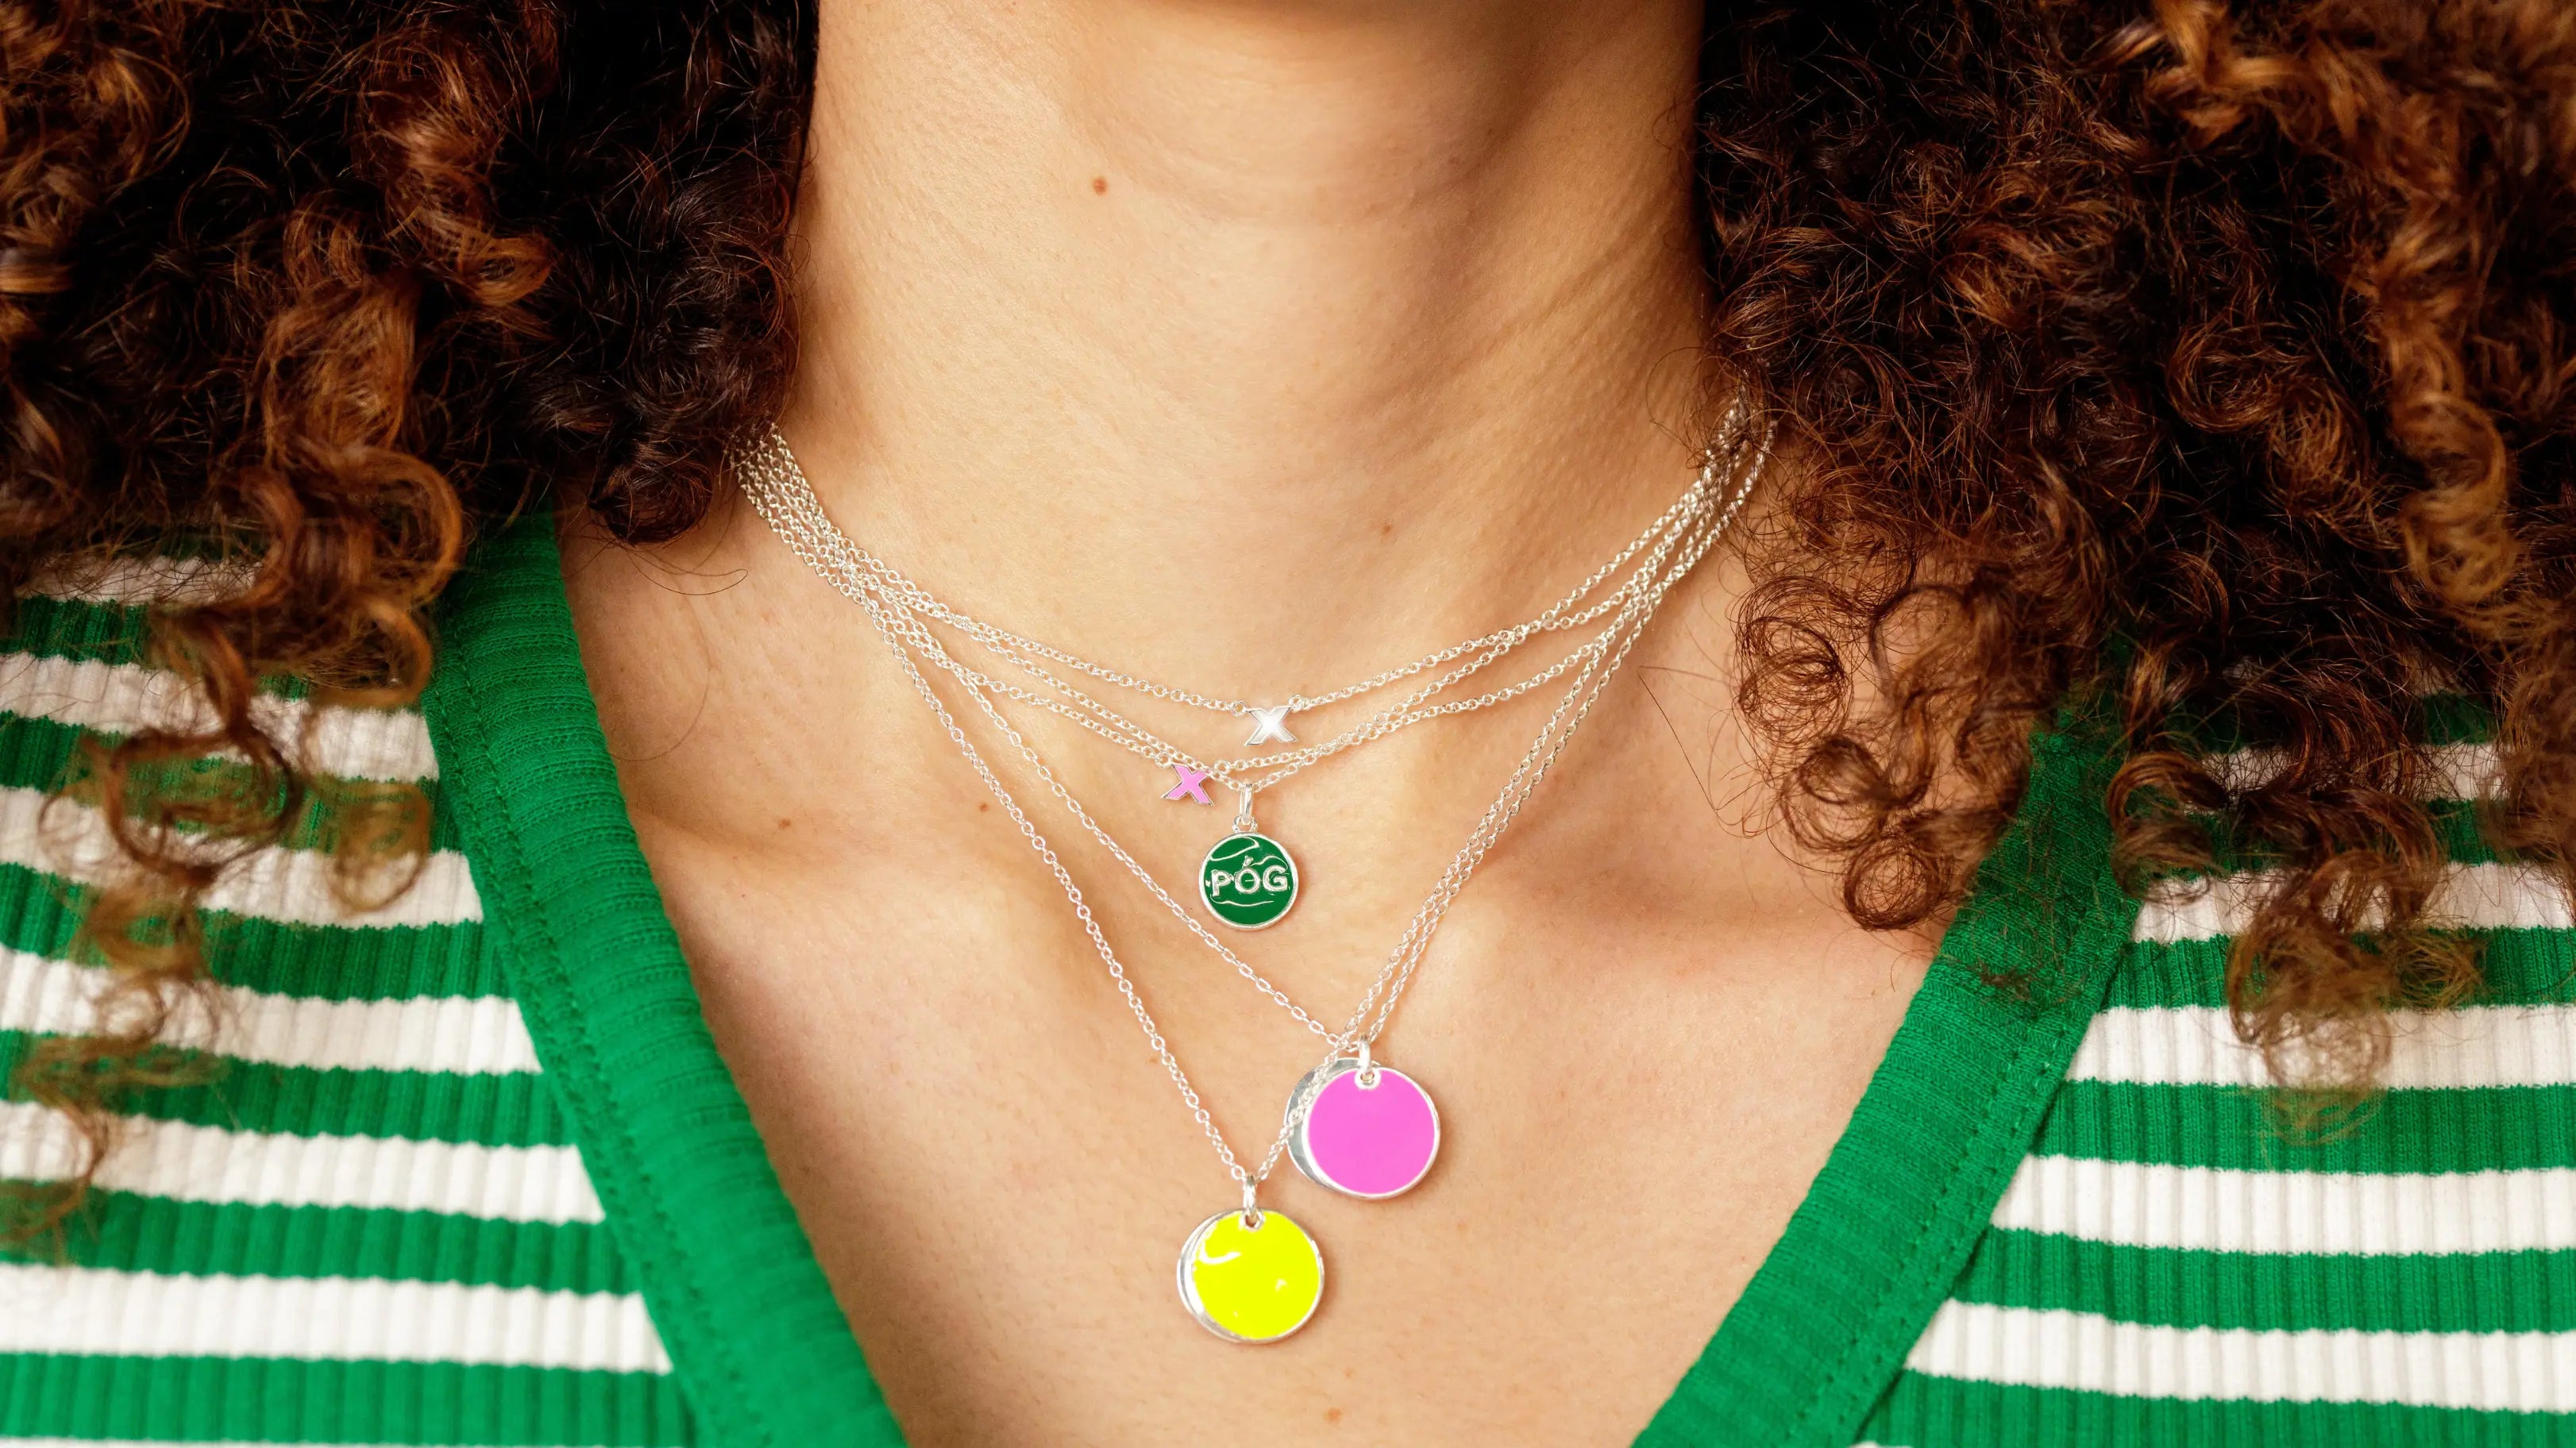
(128, 1232)
(514, 1108)
(2239, 1128)
(41, 914)
(2517, 968)
(2458, 825)
(106, 633)
(36, 753)
(287, 1400)
(2264, 1292)
(337, 963)
(2453, 719)
(40, 754)
(1928, 1412)
(62, 628)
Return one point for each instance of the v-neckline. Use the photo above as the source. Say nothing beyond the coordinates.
(762, 1349)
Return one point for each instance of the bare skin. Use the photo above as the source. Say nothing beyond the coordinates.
(1253, 347)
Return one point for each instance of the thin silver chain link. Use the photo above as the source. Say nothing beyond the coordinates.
(784, 498)
(928, 646)
(1683, 536)
(802, 517)
(773, 452)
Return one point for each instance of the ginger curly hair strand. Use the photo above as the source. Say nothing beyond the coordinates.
(2209, 360)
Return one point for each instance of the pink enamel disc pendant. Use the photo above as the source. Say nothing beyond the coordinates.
(1369, 1130)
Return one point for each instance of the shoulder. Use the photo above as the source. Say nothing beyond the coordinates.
(2185, 1254)
(363, 1179)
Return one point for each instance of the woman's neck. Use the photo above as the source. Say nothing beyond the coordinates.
(1374, 316)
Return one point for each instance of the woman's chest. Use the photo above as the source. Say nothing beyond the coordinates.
(998, 1172)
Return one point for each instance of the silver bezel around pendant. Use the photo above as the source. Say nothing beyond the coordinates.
(1198, 1309)
(1301, 1150)
(1296, 879)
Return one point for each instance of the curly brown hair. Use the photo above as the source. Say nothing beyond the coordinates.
(2214, 361)
(2207, 361)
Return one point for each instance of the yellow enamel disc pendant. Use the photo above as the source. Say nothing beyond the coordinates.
(1251, 1283)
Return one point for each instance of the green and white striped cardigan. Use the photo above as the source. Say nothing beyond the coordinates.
(473, 1173)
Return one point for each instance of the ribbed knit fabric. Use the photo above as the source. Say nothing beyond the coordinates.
(2167, 1265)
(375, 1225)
(473, 1173)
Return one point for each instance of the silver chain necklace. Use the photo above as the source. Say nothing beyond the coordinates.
(771, 456)
(1243, 1273)
(1666, 569)
(802, 516)
(1248, 880)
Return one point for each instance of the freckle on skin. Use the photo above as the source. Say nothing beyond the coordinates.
(782, 824)
(984, 806)
(1099, 185)
(1332, 1415)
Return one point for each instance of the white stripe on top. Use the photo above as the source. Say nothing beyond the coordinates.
(2471, 1046)
(293, 887)
(2213, 1209)
(141, 581)
(331, 739)
(2456, 771)
(2469, 897)
(2511, 1372)
(209, 1164)
(464, 1034)
(54, 1309)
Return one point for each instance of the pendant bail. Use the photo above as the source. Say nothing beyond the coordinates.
(1368, 1067)
(1243, 813)
(1251, 1204)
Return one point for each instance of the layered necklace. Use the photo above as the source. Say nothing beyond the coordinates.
(1352, 1124)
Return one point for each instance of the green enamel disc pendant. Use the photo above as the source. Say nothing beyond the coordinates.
(1248, 881)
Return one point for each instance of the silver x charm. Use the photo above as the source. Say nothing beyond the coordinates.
(1270, 726)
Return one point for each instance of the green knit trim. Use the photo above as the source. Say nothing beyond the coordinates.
(292, 1400)
(758, 1342)
(1824, 1325)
